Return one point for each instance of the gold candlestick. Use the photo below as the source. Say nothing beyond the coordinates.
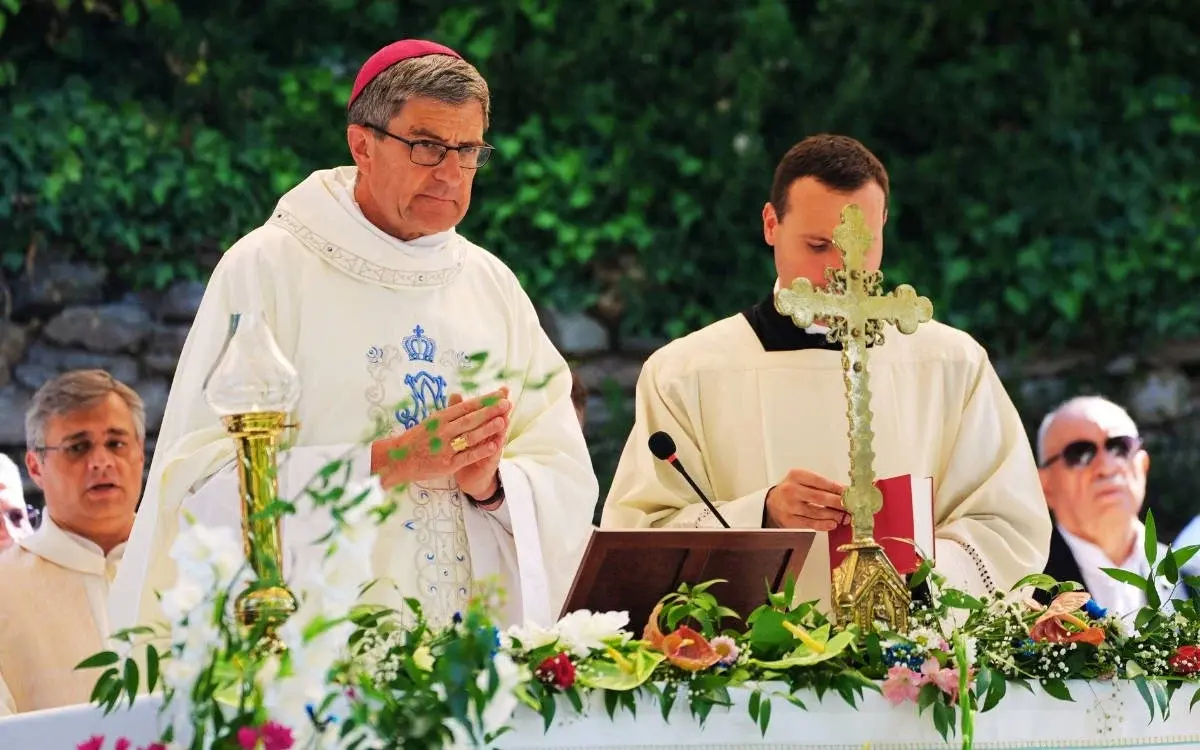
(253, 387)
(266, 600)
(866, 586)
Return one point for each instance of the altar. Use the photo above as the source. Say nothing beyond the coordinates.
(1104, 715)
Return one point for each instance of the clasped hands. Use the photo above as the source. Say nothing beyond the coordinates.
(804, 500)
(464, 440)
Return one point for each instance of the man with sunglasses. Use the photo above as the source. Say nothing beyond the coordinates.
(420, 358)
(85, 436)
(1093, 471)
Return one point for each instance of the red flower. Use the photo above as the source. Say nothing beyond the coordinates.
(557, 671)
(1185, 660)
(95, 743)
(123, 744)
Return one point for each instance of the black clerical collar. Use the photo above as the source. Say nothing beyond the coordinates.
(777, 332)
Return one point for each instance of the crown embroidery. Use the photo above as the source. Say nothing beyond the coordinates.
(419, 346)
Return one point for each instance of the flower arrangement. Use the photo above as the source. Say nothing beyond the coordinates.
(356, 676)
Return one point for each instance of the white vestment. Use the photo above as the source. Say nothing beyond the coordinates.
(370, 322)
(54, 588)
(742, 417)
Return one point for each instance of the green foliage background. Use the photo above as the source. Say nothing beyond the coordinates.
(1045, 156)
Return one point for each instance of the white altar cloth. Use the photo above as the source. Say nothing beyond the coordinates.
(1103, 716)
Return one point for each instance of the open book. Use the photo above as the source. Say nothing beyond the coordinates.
(906, 517)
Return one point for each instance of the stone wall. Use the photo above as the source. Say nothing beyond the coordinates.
(66, 315)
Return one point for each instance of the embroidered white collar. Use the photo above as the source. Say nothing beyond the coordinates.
(322, 215)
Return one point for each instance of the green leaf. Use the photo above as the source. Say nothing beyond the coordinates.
(996, 691)
(1057, 689)
(1164, 701)
(764, 717)
(753, 704)
(943, 719)
(1144, 690)
(102, 659)
(1184, 554)
(1037, 581)
(1124, 576)
(131, 679)
(1151, 540)
(151, 668)
(1169, 569)
(667, 700)
(960, 600)
(1195, 698)
(547, 707)
(610, 702)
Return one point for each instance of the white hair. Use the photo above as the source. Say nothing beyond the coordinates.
(1083, 406)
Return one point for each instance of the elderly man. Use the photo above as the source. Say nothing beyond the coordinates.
(380, 306)
(756, 407)
(1093, 470)
(14, 518)
(85, 434)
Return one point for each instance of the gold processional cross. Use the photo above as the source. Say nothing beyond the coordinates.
(866, 586)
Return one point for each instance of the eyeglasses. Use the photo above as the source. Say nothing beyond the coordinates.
(81, 449)
(1083, 452)
(431, 153)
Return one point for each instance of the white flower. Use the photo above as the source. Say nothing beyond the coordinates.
(582, 632)
(182, 599)
(531, 636)
(926, 638)
(500, 709)
(210, 556)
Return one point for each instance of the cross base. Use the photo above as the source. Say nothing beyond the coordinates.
(868, 589)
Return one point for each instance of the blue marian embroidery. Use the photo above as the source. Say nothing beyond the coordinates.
(419, 346)
(426, 390)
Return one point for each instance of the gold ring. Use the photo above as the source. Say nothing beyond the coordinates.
(459, 444)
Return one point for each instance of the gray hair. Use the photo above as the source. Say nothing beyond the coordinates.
(1078, 405)
(441, 77)
(75, 390)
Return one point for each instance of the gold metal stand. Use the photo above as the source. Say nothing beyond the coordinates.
(866, 586)
(266, 601)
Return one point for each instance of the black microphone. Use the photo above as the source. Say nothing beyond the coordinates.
(663, 448)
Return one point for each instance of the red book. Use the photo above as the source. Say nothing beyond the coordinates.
(906, 517)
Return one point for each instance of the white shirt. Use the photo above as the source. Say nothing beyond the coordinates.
(1117, 597)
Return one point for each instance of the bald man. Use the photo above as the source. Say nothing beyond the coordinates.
(1093, 469)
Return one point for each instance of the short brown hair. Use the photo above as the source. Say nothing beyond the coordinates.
(838, 161)
(76, 390)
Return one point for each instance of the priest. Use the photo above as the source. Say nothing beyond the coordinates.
(382, 306)
(757, 408)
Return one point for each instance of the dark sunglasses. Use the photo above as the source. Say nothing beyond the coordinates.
(1083, 452)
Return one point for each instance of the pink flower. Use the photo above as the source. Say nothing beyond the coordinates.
(902, 684)
(944, 677)
(96, 742)
(276, 736)
(123, 744)
(247, 738)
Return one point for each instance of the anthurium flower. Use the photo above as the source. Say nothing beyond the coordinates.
(1051, 623)
(689, 650)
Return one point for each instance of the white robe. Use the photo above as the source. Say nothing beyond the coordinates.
(742, 417)
(54, 587)
(369, 321)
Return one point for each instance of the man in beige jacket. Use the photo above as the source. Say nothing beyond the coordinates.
(85, 435)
